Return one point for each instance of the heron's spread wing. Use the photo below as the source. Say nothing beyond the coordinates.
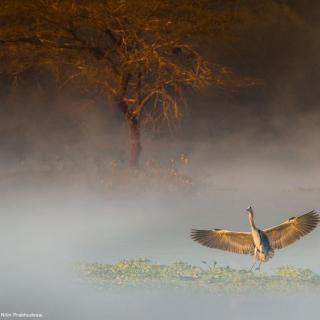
(238, 242)
(291, 230)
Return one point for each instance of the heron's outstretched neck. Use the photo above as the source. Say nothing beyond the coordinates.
(251, 221)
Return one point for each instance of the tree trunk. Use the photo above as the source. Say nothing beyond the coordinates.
(135, 143)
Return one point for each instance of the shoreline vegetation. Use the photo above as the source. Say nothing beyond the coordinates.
(143, 273)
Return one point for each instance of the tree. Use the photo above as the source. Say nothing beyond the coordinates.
(142, 54)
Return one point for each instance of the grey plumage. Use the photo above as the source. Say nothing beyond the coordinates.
(259, 243)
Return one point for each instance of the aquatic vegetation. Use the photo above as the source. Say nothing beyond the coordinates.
(145, 273)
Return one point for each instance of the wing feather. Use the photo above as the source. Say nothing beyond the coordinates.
(293, 229)
(237, 242)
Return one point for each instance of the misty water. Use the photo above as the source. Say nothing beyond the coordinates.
(53, 219)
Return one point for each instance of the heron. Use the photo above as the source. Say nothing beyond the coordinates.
(260, 244)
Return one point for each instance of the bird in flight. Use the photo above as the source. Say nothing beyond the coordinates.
(258, 243)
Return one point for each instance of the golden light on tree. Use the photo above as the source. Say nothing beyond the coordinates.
(142, 54)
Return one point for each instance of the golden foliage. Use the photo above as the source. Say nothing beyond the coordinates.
(141, 53)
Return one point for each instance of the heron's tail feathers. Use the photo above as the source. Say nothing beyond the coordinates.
(264, 256)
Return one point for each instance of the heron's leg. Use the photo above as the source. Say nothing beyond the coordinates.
(258, 268)
(254, 262)
(254, 258)
(253, 265)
